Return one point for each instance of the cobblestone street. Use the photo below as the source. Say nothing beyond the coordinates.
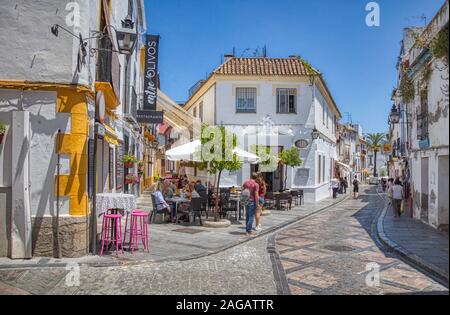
(334, 253)
(324, 254)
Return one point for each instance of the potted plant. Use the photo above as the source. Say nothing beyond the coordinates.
(2, 132)
(129, 179)
(129, 161)
(141, 168)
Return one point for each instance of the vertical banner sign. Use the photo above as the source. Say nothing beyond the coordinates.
(151, 72)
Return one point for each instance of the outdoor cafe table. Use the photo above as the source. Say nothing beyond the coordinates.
(177, 201)
(115, 203)
(237, 199)
(105, 202)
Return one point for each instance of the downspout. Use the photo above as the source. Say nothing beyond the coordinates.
(58, 172)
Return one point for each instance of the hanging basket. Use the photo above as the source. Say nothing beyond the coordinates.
(128, 164)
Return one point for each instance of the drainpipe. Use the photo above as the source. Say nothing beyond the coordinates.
(58, 172)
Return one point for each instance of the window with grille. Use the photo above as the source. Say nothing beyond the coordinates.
(246, 100)
(286, 101)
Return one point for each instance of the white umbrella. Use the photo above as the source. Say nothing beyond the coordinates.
(187, 152)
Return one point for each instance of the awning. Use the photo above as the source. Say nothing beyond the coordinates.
(110, 135)
(343, 165)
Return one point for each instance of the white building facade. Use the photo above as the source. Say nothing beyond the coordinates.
(274, 103)
(424, 117)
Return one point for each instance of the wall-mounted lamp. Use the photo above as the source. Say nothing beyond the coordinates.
(315, 134)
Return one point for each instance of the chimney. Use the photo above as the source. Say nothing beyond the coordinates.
(228, 57)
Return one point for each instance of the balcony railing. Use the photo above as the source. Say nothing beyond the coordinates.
(108, 66)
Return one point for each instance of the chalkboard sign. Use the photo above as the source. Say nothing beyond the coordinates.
(119, 168)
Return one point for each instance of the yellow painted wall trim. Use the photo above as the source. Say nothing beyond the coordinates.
(202, 91)
(112, 101)
(44, 86)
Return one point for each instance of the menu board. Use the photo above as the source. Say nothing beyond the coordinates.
(119, 168)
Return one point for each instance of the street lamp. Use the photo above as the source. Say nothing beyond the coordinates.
(315, 134)
(394, 116)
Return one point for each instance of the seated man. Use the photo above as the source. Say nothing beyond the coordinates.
(161, 205)
(199, 187)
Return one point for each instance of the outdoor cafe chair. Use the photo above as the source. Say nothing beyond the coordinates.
(285, 201)
(228, 206)
(197, 207)
(154, 212)
(270, 200)
(296, 198)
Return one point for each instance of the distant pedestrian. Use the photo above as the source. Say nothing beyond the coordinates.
(397, 197)
(344, 184)
(355, 187)
(335, 183)
(250, 196)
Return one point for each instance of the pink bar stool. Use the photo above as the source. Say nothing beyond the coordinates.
(139, 227)
(112, 225)
(127, 230)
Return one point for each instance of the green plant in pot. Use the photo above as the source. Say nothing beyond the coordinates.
(129, 161)
(130, 179)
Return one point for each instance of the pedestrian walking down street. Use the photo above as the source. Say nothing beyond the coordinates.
(344, 184)
(397, 197)
(335, 183)
(251, 189)
(355, 187)
(389, 185)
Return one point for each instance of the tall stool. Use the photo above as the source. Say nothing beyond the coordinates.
(112, 232)
(139, 227)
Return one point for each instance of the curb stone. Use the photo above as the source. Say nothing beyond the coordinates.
(407, 255)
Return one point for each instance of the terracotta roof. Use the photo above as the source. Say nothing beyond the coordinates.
(292, 66)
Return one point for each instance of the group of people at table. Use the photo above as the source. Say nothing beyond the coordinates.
(254, 191)
(167, 189)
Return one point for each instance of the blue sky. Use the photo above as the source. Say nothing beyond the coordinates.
(358, 62)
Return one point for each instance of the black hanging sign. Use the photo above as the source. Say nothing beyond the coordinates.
(150, 117)
(151, 72)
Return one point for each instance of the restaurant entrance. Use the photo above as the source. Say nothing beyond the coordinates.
(274, 180)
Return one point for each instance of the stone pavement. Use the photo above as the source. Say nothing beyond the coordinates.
(416, 241)
(333, 252)
(170, 242)
(245, 269)
(325, 253)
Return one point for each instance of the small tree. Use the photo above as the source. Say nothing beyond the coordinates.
(290, 157)
(375, 144)
(217, 150)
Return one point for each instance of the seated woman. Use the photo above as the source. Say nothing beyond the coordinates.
(161, 205)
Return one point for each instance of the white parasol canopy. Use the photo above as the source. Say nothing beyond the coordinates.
(187, 152)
